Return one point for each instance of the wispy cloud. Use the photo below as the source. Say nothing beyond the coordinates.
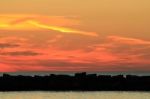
(128, 40)
(59, 24)
(63, 29)
(20, 53)
(7, 45)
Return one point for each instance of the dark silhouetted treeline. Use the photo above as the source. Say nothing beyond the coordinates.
(78, 82)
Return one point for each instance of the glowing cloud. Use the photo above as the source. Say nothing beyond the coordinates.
(27, 22)
(63, 29)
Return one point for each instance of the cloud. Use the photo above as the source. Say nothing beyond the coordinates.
(55, 20)
(12, 42)
(7, 68)
(113, 53)
(21, 53)
(16, 46)
(29, 22)
(7, 45)
(63, 29)
(55, 39)
(127, 50)
(130, 41)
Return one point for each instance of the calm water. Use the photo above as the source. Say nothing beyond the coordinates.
(74, 95)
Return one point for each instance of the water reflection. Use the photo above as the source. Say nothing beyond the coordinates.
(74, 95)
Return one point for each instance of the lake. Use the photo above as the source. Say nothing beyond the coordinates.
(75, 95)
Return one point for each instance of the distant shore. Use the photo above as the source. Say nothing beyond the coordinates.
(71, 73)
(77, 82)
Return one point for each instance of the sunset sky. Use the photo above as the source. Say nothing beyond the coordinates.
(74, 35)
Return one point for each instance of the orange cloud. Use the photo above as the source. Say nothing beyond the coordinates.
(115, 53)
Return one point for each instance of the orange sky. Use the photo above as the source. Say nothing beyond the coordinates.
(65, 35)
